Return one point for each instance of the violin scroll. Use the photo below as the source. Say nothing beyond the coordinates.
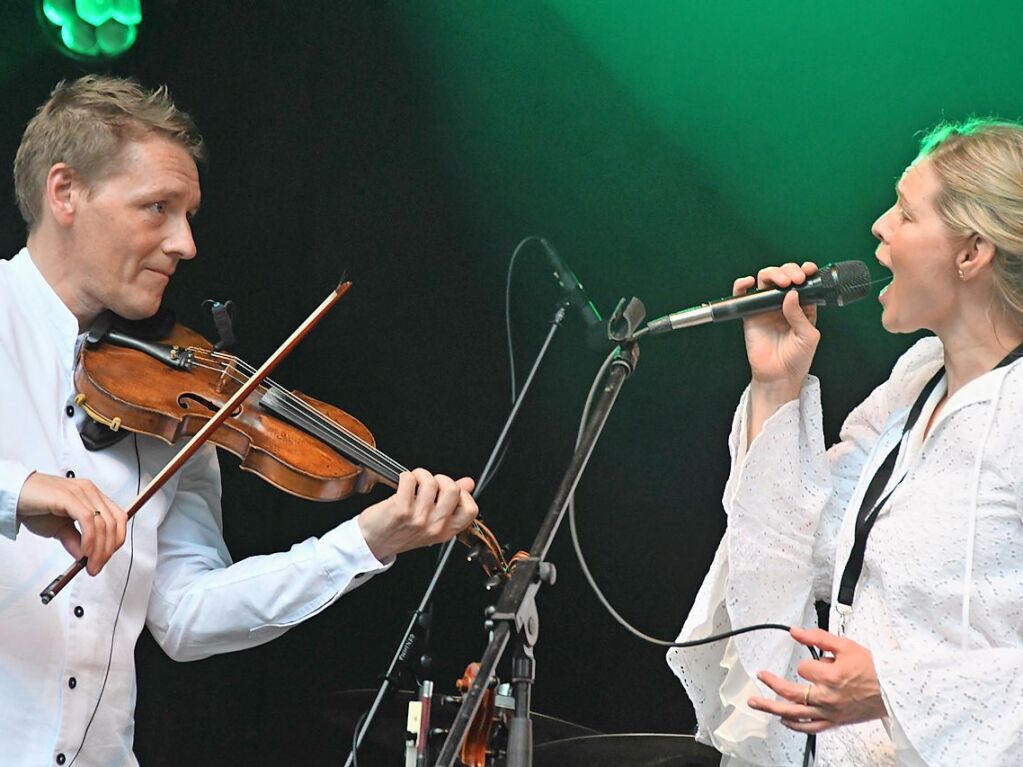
(477, 738)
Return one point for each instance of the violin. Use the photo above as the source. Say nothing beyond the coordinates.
(179, 386)
(476, 745)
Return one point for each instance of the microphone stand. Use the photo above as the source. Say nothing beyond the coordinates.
(515, 617)
(401, 660)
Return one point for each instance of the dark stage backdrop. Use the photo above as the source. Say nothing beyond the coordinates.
(665, 148)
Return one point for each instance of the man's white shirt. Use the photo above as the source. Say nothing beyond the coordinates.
(173, 573)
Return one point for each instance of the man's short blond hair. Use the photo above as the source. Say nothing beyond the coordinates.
(86, 124)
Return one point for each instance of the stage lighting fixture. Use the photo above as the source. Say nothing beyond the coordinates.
(91, 29)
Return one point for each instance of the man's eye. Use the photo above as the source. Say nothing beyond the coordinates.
(157, 207)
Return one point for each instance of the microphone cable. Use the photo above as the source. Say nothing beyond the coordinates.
(484, 480)
(588, 575)
(120, 604)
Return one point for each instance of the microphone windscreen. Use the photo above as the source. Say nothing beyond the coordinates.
(845, 282)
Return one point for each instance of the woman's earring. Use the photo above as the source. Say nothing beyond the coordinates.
(962, 276)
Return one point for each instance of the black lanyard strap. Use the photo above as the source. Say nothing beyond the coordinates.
(871, 507)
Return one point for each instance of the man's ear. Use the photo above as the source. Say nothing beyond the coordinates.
(978, 255)
(62, 193)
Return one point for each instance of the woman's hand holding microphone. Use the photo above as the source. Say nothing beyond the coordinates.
(780, 345)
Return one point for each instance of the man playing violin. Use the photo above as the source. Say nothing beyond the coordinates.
(107, 182)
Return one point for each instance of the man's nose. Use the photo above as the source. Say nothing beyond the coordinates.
(180, 242)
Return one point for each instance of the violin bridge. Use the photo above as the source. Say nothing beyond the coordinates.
(229, 378)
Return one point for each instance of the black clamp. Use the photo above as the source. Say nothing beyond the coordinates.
(625, 320)
(224, 315)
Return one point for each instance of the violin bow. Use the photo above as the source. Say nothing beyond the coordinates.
(58, 583)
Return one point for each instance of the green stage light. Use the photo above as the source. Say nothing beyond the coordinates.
(92, 29)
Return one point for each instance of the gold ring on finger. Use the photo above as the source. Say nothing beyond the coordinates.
(806, 695)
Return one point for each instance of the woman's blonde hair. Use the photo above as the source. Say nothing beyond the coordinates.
(86, 124)
(980, 165)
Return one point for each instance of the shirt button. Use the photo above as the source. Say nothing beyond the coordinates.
(69, 474)
(72, 683)
(70, 414)
(79, 611)
(61, 759)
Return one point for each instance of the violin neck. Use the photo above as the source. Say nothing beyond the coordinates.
(292, 410)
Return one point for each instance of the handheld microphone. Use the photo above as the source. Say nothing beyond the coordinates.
(834, 285)
(573, 289)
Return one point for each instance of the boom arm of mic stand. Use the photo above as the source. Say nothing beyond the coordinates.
(391, 678)
(515, 609)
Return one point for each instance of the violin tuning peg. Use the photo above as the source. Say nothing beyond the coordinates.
(493, 581)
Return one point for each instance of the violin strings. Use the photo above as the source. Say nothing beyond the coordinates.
(325, 429)
(321, 426)
(332, 434)
(313, 418)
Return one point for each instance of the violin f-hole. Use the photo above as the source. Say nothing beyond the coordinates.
(188, 397)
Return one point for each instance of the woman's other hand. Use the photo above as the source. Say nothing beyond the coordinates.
(841, 688)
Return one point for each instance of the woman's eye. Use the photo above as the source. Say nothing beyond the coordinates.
(157, 207)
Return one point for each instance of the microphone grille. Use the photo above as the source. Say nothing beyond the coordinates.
(845, 282)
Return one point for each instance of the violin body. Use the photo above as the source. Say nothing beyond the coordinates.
(135, 391)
